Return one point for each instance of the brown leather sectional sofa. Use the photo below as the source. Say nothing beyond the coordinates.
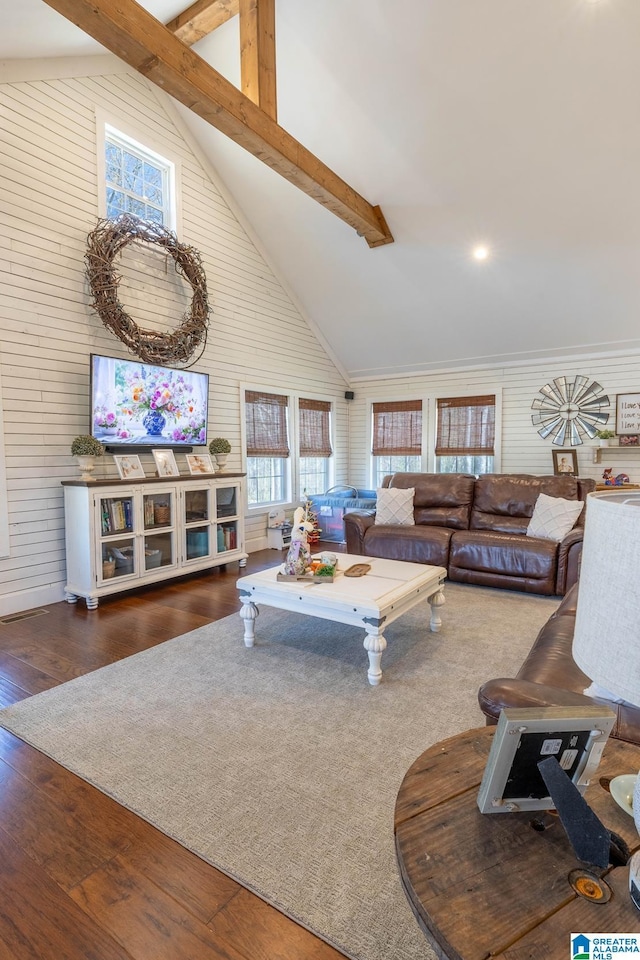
(549, 677)
(476, 528)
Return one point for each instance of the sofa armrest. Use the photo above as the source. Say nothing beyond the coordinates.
(356, 524)
(569, 557)
(494, 695)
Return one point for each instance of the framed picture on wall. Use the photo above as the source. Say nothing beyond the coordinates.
(166, 463)
(565, 463)
(628, 414)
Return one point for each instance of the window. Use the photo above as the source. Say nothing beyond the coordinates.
(138, 181)
(465, 435)
(396, 438)
(267, 440)
(314, 427)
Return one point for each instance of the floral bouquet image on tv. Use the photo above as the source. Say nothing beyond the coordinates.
(136, 402)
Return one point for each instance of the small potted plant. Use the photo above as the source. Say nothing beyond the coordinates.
(86, 449)
(220, 449)
(604, 436)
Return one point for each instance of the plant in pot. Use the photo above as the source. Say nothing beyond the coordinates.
(86, 449)
(604, 436)
(220, 449)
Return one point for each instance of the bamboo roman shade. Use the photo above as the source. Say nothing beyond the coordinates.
(466, 427)
(266, 419)
(397, 429)
(315, 428)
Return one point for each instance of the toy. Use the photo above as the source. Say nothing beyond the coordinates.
(611, 481)
(298, 555)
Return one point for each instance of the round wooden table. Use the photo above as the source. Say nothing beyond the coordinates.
(496, 884)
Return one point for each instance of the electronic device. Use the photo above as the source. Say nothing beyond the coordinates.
(575, 736)
(135, 404)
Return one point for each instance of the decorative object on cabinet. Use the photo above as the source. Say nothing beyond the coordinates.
(129, 467)
(566, 410)
(565, 463)
(165, 463)
(85, 449)
(199, 463)
(125, 534)
(220, 448)
(627, 414)
(105, 243)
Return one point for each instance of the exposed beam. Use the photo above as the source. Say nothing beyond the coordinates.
(258, 53)
(127, 30)
(201, 18)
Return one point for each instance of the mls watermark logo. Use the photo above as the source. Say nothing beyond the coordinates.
(602, 946)
(580, 947)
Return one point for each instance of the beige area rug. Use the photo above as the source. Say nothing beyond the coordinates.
(280, 764)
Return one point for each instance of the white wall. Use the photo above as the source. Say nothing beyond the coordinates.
(48, 205)
(522, 449)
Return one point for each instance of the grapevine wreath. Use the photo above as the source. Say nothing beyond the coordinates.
(108, 239)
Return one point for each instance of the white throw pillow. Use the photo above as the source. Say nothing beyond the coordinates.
(395, 506)
(553, 517)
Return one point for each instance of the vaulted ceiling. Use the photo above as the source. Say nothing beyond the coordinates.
(512, 124)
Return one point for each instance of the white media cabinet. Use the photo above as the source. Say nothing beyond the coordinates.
(121, 534)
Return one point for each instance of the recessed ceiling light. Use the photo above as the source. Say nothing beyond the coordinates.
(480, 252)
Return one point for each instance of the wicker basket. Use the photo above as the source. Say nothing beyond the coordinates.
(108, 569)
(161, 514)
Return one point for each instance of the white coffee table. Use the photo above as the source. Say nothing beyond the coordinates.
(373, 601)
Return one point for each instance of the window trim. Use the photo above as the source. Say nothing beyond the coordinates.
(147, 141)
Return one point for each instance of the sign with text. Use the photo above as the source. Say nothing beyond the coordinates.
(628, 413)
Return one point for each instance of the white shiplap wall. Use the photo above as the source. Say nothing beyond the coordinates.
(48, 205)
(522, 449)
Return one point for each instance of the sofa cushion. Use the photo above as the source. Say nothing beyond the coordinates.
(553, 517)
(416, 544)
(395, 507)
(503, 554)
(440, 499)
(505, 502)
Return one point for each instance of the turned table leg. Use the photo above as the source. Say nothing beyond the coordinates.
(248, 612)
(375, 644)
(435, 602)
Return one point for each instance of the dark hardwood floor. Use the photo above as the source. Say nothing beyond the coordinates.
(81, 878)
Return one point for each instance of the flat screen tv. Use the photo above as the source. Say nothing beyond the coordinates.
(135, 403)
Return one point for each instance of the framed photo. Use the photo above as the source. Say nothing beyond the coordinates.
(166, 463)
(627, 414)
(575, 736)
(565, 463)
(629, 440)
(200, 463)
(129, 467)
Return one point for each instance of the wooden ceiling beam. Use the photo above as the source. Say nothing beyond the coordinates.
(125, 28)
(202, 18)
(258, 53)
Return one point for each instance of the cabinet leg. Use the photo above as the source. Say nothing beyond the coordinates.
(92, 603)
(71, 598)
(242, 562)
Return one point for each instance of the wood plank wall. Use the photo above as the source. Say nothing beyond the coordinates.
(523, 450)
(48, 205)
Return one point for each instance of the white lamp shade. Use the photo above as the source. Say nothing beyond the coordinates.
(606, 643)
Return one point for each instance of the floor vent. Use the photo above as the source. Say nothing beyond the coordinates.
(23, 616)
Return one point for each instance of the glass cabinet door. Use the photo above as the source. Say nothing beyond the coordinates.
(226, 502)
(158, 509)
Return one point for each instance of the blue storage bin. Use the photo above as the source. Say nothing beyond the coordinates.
(331, 507)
